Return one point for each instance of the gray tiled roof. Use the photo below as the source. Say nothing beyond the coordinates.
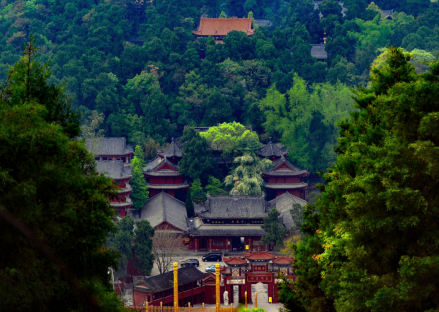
(114, 169)
(388, 14)
(271, 149)
(166, 280)
(169, 186)
(173, 150)
(229, 229)
(234, 206)
(284, 171)
(109, 146)
(318, 51)
(282, 186)
(284, 204)
(156, 163)
(163, 207)
(340, 3)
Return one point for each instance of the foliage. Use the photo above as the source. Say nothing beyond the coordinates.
(121, 242)
(249, 172)
(372, 243)
(190, 206)
(140, 193)
(214, 187)
(197, 161)
(297, 214)
(305, 119)
(143, 235)
(198, 194)
(275, 232)
(50, 185)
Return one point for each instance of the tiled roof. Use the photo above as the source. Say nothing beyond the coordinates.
(284, 186)
(156, 163)
(259, 255)
(164, 207)
(114, 169)
(229, 229)
(234, 260)
(222, 26)
(173, 150)
(169, 186)
(283, 204)
(234, 206)
(109, 146)
(165, 281)
(318, 51)
(283, 260)
(271, 149)
(388, 14)
(291, 170)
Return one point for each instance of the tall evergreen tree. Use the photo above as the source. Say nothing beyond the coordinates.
(54, 213)
(275, 232)
(190, 205)
(140, 192)
(143, 247)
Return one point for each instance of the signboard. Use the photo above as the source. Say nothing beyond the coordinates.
(259, 268)
(259, 278)
(236, 282)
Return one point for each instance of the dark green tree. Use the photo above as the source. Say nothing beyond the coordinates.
(121, 242)
(142, 248)
(54, 213)
(214, 187)
(275, 232)
(190, 205)
(197, 161)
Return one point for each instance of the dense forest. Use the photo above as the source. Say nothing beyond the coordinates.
(134, 69)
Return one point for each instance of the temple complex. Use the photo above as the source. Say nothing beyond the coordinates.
(121, 175)
(218, 28)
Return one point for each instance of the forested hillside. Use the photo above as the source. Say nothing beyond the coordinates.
(138, 65)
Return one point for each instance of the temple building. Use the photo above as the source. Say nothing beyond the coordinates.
(284, 177)
(121, 175)
(228, 223)
(110, 149)
(272, 151)
(218, 28)
(243, 273)
(162, 173)
(159, 289)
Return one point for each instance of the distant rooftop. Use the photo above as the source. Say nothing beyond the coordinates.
(109, 146)
(234, 206)
(222, 26)
(173, 150)
(318, 51)
(114, 169)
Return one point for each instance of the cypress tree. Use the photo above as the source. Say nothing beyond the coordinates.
(190, 205)
(140, 192)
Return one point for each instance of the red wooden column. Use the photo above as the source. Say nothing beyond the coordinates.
(196, 244)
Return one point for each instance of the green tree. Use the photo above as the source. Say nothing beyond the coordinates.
(140, 192)
(249, 172)
(54, 213)
(190, 205)
(121, 242)
(275, 232)
(197, 160)
(198, 194)
(222, 15)
(214, 186)
(142, 248)
(375, 221)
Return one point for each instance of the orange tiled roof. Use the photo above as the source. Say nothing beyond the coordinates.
(222, 26)
(259, 255)
(234, 260)
(283, 260)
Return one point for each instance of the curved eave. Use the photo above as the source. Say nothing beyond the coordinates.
(285, 174)
(121, 205)
(168, 186)
(115, 155)
(124, 179)
(158, 174)
(284, 186)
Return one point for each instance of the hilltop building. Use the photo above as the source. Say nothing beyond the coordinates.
(218, 28)
(110, 149)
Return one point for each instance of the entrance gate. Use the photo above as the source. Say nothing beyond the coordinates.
(235, 297)
(262, 290)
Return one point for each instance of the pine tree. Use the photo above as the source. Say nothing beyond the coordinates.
(275, 232)
(190, 205)
(140, 192)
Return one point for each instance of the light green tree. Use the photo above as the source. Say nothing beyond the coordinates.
(249, 172)
(140, 192)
